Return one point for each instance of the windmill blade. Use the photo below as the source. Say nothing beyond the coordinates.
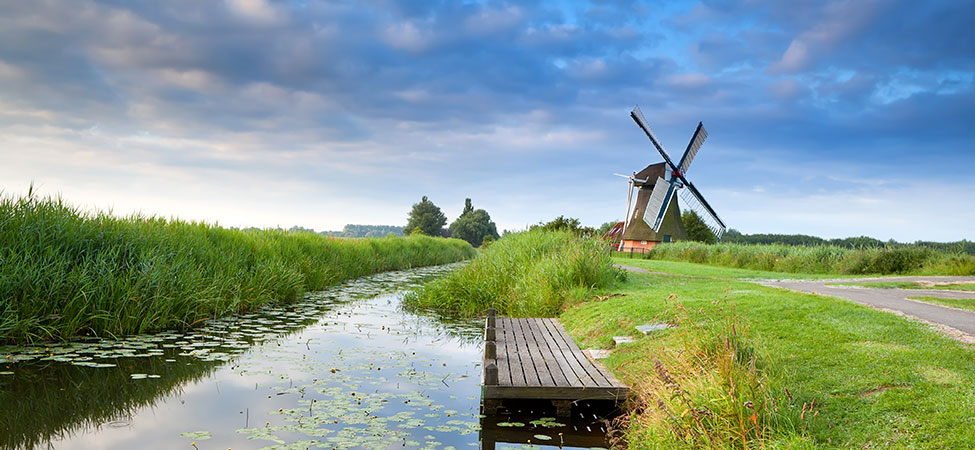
(637, 116)
(631, 177)
(695, 201)
(659, 201)
(697, 139)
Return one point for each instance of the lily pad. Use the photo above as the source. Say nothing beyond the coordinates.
(197, 435)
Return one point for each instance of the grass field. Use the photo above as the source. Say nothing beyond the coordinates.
(65, 272)
(749, 366)
(823, 259)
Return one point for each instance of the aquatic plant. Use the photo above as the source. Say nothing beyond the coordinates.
(528, 274)
(65, 272)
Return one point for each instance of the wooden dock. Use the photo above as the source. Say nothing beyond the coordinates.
(535, 359)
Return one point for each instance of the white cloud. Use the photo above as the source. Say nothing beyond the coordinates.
(407, 36)
(258, 12)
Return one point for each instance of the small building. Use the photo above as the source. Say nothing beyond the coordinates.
(637, 235)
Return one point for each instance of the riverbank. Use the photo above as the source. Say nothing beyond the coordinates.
(65, 272)
(529, 274)
(749, 366)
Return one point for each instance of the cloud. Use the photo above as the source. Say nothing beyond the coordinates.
(493, 98)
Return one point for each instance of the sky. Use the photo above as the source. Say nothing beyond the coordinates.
(833, 118)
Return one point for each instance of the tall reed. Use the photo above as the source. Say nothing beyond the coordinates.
(531, 273)
(825, 259)
(64, 272)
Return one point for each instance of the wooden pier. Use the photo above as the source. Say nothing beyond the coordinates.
(535, 359)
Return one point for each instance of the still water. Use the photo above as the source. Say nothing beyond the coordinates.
(346, 368)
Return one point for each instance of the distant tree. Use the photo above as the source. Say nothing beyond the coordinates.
(487, 241)
(473, 225)
(605, 227)
(427, 217)
(696, 229)
(562, 223)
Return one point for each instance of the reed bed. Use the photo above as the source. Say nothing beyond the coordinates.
(822, 259)
(527, 274)
(65, 272)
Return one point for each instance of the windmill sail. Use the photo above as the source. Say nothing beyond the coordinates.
(697, 140)
(695, 201)
(637, 116)
(659, 201)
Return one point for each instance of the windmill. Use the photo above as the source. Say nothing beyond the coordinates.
(659, 186)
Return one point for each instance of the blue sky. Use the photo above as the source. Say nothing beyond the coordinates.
(838, 118)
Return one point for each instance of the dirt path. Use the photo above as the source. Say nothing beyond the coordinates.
(895, 299)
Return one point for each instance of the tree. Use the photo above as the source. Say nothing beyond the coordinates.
(562, 223)
(696, 229)
(605, 227)
(473, 225)
(427, 218)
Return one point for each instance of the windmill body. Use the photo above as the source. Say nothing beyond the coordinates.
(655, 217)
(637, 234)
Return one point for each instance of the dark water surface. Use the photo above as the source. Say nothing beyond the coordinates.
(345, 368)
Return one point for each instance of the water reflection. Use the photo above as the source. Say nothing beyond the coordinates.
(345, 368)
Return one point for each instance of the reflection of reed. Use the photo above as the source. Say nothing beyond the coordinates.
(47, 401)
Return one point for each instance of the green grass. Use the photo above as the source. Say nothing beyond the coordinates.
(528, 274)
(823, 259)
(912, 285)
(961, 303)
(64, 272)
(819, 372)
(704, 270)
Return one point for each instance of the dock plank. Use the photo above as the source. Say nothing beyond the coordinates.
(597, 377)
(538, 360)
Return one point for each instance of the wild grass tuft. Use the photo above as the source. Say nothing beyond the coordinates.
(528, 274)
(706, 388)
(65, 273)
(823, 259)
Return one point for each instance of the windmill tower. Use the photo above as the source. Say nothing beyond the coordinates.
(656, 218)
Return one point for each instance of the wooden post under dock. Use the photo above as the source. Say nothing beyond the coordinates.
(534, 359)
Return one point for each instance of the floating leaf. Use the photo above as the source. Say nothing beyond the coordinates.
(197, 435)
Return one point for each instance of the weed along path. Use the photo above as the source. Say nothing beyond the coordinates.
(346, 368)
(899, 300)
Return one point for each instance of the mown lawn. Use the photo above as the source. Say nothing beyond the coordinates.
(962, 303)
(840, 375)
(913, 285)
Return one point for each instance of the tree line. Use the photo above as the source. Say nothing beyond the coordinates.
(473, 225)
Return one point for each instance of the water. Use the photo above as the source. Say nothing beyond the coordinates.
(345, 368)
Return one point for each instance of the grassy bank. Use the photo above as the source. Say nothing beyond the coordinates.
(64, 272)
(748, 366)
(529, 274)
(823, 259)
